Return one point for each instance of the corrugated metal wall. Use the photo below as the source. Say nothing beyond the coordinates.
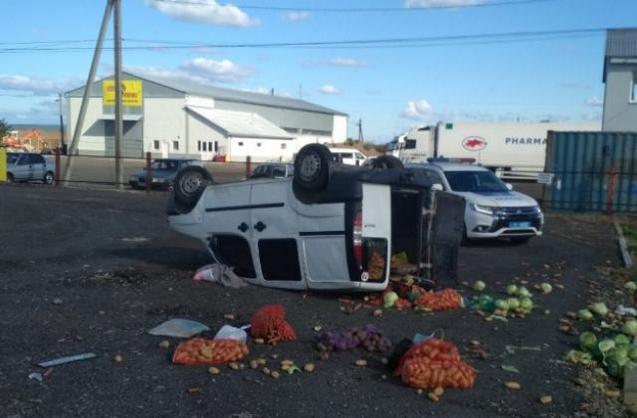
(593, 171)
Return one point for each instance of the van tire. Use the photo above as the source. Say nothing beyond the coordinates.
(49, 178)
(312, 167)
(189, 184)
(386, 162)
(10, 178)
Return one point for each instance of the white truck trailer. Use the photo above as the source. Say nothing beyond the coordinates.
(513, 150)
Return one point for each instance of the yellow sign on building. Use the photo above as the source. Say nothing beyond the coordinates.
(3, 165)
(132, 93)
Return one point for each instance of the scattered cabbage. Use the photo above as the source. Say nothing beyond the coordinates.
(526, 304)
(390, 299)
(621, 340)
(514, 303)
(630, 286)
(632, 352)
(512, 289)
(606, 345)
(599, 308)
(523, 292)
(587, 341)
(630, 327)
(585, 314)
(546, 288)
(479, 286)
(502, 304)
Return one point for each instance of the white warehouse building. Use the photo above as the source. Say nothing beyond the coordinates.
(185, 120)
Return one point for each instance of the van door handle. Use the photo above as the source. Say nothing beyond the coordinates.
(259, 226)
(243, 227)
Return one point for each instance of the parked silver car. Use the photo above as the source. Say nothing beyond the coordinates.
(26, 166)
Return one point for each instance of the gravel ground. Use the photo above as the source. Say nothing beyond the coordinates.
(94, 270)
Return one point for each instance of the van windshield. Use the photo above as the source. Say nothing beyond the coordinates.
(12, 158)
(475, 181)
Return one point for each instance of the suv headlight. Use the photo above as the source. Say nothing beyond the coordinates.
(487, 210)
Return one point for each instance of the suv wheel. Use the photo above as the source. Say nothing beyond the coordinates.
(386, 162)
(312, 167)
(189, 184)
(48, 178)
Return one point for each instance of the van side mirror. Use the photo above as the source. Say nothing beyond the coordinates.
(437, 187)
(509, 186)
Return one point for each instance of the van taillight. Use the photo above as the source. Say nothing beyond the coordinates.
(357, 239)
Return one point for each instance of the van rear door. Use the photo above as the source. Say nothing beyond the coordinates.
(376, 233)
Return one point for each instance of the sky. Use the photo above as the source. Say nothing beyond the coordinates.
(390, 86)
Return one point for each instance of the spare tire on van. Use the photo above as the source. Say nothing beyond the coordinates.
(188, 186)
(313, 167)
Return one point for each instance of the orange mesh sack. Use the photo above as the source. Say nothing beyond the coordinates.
(435, 363)
(443, 300)
(201, 351)
(269, 323)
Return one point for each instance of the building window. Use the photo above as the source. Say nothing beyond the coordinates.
(205, 146)
(633, 88)
(216, 146)
(210, 146)
(284, 146)
(240, 144)
(258, 144)
(175, 145)
(198, 145)
(156, 145)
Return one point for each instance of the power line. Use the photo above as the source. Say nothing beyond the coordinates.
(359, 9)
(469, 39)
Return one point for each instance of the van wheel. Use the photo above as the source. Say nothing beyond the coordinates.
(312, 167)
(189, 184)
(48, 178)
(386, 162)
(10, 178)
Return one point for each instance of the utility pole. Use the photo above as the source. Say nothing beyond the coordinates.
(61, 127)
(360, 130)
(87, 90)
(119, 124)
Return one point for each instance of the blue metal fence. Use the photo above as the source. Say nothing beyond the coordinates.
(592, 171)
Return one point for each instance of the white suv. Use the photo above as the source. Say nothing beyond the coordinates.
(493, 210)
(330, 226)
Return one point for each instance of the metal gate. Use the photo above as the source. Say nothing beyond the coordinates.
(591, 171)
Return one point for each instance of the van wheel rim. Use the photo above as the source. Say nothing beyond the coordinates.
(48, 179)
(191, 184)
(310, 167)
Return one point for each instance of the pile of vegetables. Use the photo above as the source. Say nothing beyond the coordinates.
(270, 324)
(519, 300)
(201, 351)
(443, 300)
(368, 337)
(613, 346)
(414, 296)
(435, 363)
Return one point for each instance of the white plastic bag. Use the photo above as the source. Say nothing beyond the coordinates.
(232, 333)
(219, 273)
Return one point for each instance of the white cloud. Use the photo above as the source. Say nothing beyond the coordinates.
(37, 86)
(224, 71)
(329, 89)
(346, 62)
(198, 70)
(294, 16)
(204, 11)
(594, 101)
(335, 62)
(410, 4)
(418, 110)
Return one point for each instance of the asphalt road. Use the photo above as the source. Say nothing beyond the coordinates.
(55, 300)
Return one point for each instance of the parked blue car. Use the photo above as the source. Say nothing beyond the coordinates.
(26, 166)
(164, 172)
